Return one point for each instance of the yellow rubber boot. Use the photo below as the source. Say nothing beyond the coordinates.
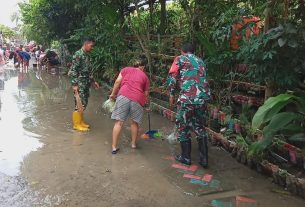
(82, 123)
(76, 117)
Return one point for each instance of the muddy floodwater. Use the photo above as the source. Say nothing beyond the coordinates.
(44, 162)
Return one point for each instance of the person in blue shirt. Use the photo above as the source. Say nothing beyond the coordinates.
(25, 59)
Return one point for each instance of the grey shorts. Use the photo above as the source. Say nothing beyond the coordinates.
(125, 108)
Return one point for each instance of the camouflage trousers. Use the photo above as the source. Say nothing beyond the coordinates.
(84, 93)
(191, 118)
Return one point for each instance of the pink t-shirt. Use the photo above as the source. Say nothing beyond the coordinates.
(134, 83)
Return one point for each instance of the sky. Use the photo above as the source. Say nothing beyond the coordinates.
(8, 7)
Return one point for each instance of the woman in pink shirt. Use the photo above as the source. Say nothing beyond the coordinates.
(131, 91)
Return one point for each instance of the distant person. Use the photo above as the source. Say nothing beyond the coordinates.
(131, 91)
(25, 60)
(51, 60)
(18, 61)
(81, 80)
(3, 54)
(7, 53)
(41, 63)
(37, 53)
(2, 50)
(188, 77)
(2, 61)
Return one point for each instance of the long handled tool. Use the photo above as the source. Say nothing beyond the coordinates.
(150, 132)
(80, 107)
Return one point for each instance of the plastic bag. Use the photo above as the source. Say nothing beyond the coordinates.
(172, 138)
(109, 105)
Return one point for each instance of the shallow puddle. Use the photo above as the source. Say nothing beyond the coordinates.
(15, 141)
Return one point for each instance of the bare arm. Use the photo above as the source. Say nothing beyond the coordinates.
(146, 93)
(116, 86)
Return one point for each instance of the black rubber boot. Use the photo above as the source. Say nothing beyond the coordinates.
(185, 157)
(203, 152)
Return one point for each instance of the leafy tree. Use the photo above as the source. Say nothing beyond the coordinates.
(6, 31)
(276, 56)
(208, 23)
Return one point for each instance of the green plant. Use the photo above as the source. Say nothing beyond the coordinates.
(242, 143)
(7, 32)
(283, 114)
(267, 56)
(246, 115)
(273, 106)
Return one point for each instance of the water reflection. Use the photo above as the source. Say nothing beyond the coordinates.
(23, 80)
(15, 141)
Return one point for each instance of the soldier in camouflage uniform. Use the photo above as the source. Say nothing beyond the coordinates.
(81, 80)
(188, 75)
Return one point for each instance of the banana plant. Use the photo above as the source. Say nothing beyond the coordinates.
(273, 119)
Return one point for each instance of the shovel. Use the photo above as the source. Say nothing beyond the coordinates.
(150, 132)
(79, 105)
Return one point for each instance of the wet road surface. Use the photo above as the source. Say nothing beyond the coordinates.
(43, 162)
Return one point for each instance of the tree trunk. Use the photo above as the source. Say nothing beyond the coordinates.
(163, 17)
(268, 13)
(151, 11)
(302, 8)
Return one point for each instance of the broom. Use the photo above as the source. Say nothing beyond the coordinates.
(150, 133)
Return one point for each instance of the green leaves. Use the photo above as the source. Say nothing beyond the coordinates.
(204, 41)
(269, 55)
(273, 120)
(290, 28)
(293, 43)
(280, 121)
(110, 15)
(271, 107)
(300, 137)
(7, 32)
(276, 55)
(259, 147)
(281, 42)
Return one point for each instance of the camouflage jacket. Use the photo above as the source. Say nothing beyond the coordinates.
(80, 72)
(189, 80)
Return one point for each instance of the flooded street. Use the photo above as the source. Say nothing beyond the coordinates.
(16, 142)
(44, 162)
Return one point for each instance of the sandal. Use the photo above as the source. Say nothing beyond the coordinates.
(114, 151)
(133, 146)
